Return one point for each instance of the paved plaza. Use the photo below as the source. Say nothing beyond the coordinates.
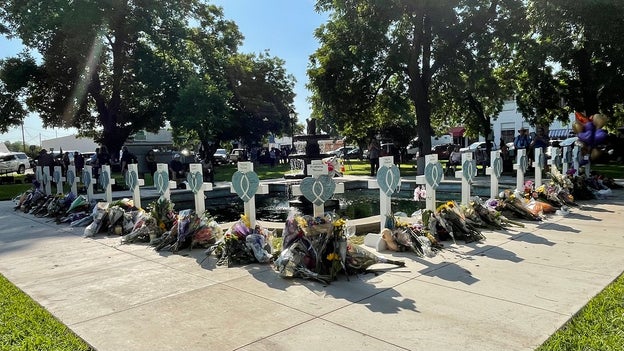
(509, 292)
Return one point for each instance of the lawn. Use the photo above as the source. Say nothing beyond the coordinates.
(25, 325)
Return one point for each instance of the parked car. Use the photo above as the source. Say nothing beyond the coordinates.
(220, 157)
(14, 162)
(238, 155)
(443, 151)
(477, 145)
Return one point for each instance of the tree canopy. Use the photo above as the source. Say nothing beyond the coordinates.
(381, 61)
(111, 68)
(572, 60)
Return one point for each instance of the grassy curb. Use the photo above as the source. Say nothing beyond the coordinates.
(25, 325)
(597, 326)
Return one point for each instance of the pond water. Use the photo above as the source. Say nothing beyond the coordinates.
(352, 204)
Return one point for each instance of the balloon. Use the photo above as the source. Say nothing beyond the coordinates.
(600, 137)
(599, 120)
(589, 126)
(595, 154)
(577, 127)
(587, 137)
(581, 117)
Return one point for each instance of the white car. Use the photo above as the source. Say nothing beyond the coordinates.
(220, 156)
(474, 147)
(14, 162)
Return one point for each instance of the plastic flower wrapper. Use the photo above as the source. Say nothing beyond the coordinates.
(145, 228)
(515, 204)
(208, 233)
(453, 220)
(79, 204)
(188, 222)
(115, 216)
(403, 236)
(291, 263)
(360, 259)
(162, 211)
(232, 248)
(100, 211)
(257, 244)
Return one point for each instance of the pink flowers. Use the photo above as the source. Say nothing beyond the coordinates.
(420, 193)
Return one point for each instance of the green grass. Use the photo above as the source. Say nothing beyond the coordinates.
(598, 326)
(25, 325)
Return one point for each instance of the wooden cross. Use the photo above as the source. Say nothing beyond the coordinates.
(133, 182)
(318, 187)
(58, 178)
(246, 184)
(467, 174)
(162, 183)
(107, 182)
(195, 180)
(521, 167)
(539, 164)
(88, 181)
(72, 180)
(388, 182)
(495, 171)
(434, 174)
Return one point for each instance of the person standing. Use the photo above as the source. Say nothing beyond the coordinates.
(78, 162)
(522, 140)
(150, 161)
(373, 155)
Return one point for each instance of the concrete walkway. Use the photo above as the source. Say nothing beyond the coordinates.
(509, 292)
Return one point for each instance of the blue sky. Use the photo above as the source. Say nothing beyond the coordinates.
(283, 27)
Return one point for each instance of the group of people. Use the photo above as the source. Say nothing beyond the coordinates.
(64, 160)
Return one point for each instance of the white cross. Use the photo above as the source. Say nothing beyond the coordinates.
(47, 180)
(566, 156)
(134, 188)
(72, 179)
(495, 162)
(108, 191)
(468, 172)
(576, 158)
(555, 157)
(200, 197)
(315, 169)
(87, 173)
(538, 163)
(164, 190)
(58, 178)
(250, 205)
(430, 200)
(385, 200)
(520, 167)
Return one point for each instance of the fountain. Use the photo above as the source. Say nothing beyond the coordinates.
(312, 150)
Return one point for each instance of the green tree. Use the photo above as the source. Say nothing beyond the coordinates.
(111, 68)
(572, 61)
(400, 49)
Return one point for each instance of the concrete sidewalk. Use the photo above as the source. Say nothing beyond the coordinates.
(509, 292)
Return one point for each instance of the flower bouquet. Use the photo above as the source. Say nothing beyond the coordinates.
(516, 205)
(145, 229)
(207, 233)
(318, 249)
(403, 236)
(242, 244)
(449, 221)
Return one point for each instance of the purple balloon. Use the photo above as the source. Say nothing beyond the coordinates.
(589, 126)
(587, 137)
(600, 137)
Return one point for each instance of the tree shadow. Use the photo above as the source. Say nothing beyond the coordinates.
(498, 253)
(448, 271)
(558, 227)
(532, 239)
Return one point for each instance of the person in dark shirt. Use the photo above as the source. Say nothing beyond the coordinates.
(176, 168)
(78, 162)
(46, 159)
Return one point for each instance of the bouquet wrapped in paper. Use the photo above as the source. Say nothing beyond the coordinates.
(403, 236)
(242, 244)
(323, 252)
